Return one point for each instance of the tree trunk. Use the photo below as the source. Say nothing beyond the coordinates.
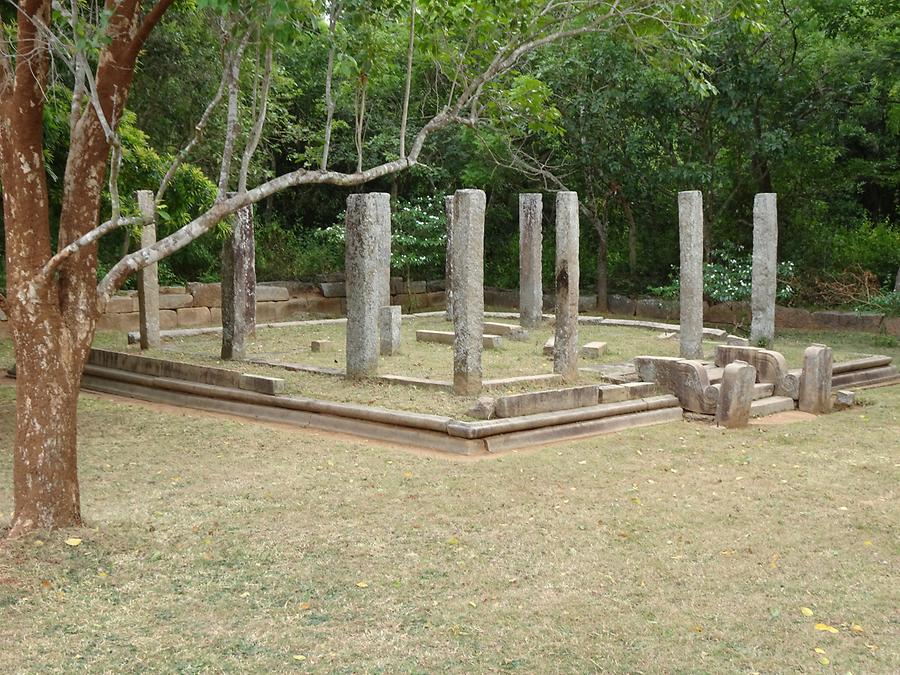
(601, 225)
(48, 378)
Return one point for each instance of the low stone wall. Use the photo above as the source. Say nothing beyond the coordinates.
(199, 305)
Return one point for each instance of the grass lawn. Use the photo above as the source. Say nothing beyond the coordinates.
(215, 545)
(435, 361)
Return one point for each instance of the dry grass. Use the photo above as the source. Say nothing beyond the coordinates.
(221, 546)
(436, 361)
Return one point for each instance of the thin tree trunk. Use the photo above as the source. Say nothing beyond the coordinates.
(409, 63)
(601, 224)
(329, 77)
(632, 236)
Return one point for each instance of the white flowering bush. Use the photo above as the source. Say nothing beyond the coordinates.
(728, 278)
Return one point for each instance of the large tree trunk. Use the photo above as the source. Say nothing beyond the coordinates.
(48, 377)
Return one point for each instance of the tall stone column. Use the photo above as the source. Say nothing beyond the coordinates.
(765, 269)
(448, 259)
(690, 227)
(467, 287)
(148, 277)
(239, 286)
(565, 347)
(530, 242)
(368, 219)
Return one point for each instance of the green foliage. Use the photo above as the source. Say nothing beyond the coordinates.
(728, 278)
(887, 302)
(284, 255)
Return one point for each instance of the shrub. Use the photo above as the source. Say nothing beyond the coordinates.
(728, 278)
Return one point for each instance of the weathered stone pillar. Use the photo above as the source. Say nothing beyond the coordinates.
(690, 228)
(448, 259)
(467, 286)
(531, 294)
(765, 269)
(239, 286)
(565, 347)
(389, 318)
(148, 277)
(815, 380)
(736, 395)
(368, 218)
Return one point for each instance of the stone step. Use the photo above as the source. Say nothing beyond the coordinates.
(865, 363)
(507, 330)
(771, 405)
(863, 377)
(760, 389)
(714, 374)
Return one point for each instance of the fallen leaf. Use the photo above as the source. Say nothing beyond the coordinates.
(453, 541)
(819, 650)
(304, 606)
(867, 542)
(773, 563)
(856, 628)
(806, 611)
(73, 541)
(698, 629)
(46, 585)
(299, 657)
(363, 584)
(407, 474)
(825, 627)
(471, 604)
(824, 661)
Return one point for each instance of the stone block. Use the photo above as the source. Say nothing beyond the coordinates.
(612, 393)
(321, 346)
(175, 300)
(261, 384)
(272, 293)
(656, 308)
(266, 312)
(121, 304)
(736, 395)
(593, 350)
(727, 312)
(844, 398)
(334, 289)
(737, 341)
(436, 286)
(293, 309)
(448, 338)
(892, 325)
(640, 389)
(532, 403)
(815, 380)
(587, 303)
(622, 305)
(168, 319)
(193, 317)
(862, 321)
(206, 295)
(483, 408)
(174, 290)
(327, 307)
(507, 330)
(215, 316)
(122, 322)
(501, 297)
(549, 346)
(793, 317)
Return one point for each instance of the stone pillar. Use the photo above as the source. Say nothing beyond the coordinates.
(467, 286)
(765, 269)
(736, 395)
(238, 286)
(389, 329)
(690, 227)
(368, 218)
(148, 277)
(531, 295)
(448, 259)
(565, 346)
(815, 380)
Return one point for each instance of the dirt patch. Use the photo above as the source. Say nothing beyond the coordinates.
(778, 419)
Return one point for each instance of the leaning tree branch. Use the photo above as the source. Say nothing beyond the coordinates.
(404, 115)
(85, 240)
(329, 78)
(149, 22)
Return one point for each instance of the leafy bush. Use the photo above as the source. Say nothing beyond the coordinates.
(887, 302)
(283, 255)
(728, 278)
